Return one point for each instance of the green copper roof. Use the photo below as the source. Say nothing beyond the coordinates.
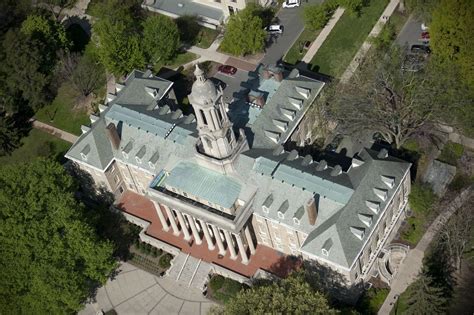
(204, 183)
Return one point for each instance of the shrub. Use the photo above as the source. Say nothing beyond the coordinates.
(385, 39)
(165, 261)
(353, 6)
(451, 153)
(232, 287)
(421, 198)
(371, 301)
(216, 282)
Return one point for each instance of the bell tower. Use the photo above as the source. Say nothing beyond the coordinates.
(215, 129)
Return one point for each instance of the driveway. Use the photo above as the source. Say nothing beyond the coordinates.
(134, 291)
(292, 21)
(410, 33)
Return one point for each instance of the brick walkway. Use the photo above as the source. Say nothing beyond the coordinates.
(264, 258)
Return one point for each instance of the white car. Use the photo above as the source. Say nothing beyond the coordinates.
(424, 27)
(274, 29)
(291, 3)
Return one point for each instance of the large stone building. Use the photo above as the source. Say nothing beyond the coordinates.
(218, 184)
(211, 13)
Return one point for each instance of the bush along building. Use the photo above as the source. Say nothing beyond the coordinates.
(218, 187)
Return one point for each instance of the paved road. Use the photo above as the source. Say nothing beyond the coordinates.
(292, 21)
(134, 291)
(233, 83)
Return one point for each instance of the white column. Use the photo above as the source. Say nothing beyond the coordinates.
(248, 236)
(184, 227)
(218, 240)
(192, 224)
(210, 242)
(230, 245)
(172, 220)
(243, 253)
(165, 225)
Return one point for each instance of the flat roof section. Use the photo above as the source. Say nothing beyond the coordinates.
(188, 7)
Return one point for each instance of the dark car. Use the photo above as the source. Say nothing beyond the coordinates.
(420, 49)
(227, 69)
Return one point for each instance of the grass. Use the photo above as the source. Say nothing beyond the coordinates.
(181, 59)
(223, 289)
(205, 37)
(346, 38)
(372, 300)
(293, 56)
(37, 144)
(451, 153)
(421, 200)
(61, 114)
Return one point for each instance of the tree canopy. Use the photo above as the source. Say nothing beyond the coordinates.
(244, 33)
(9, 135)
(452, 37)
(50, 257)
(160, 38)
(292, 295)
(424, 298)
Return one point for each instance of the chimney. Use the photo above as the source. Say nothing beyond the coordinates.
(113, 136)
(311, 210)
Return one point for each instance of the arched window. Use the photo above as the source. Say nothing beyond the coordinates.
(229, 136)
(219, 114)
(203, 117)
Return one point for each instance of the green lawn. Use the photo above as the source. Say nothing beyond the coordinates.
(346, 38)
(37, 143)
(223, 289)
(293, 56)
(451, 153)
(372, 300)
(181, 59)
(205, 37)
(61, 114)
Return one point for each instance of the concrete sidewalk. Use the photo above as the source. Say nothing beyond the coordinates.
(367, 44)
(66, 136)
(413, 263)
(318, 42)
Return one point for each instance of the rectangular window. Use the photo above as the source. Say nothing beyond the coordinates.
(116, 179)
(121, 189)
(262, 229)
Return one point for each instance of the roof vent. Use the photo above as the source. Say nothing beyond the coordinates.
(85, 152)
(189, 119)
(358, 232)
(288, 113)
(337, 170)
(388, 180)
(118, 87)
(327, 247)
(102, 107)
(278, 150)
(147, 74)
(272, 135)
(303, 91)
(85, 129)
(356, 162)
(298, 215)
(374, 206)
(382, 154)
(292, 156)
(381, 193)
(365, 218)
(280, 124)
(267, 203)
(296, 102)
(93, 118)
(164, 110)
(307, 160)
(283, 208)
(322, 165)
(177, 114)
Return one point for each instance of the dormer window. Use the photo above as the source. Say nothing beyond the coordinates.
(139, 161)
(85, 152)
(325, 252)
(296, 221)
(151, 165)
(281, 215)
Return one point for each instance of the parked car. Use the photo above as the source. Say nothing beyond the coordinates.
(227, 69)
(291, 3)
(274, 29)
(420, 49)
(425, 35)
(424, 27)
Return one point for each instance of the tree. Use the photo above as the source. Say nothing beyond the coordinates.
(382, 98)
(244, 33)
(160, 39)
(292, 295)
(9, 135)
(51, 257)
(117, 36)
(422, 9)
(88, 76)
(48, 31)
(57, 6)
(451, 35)
(316, 16)
(424, 298)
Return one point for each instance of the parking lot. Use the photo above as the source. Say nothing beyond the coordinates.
(410, 33)
(233, 83)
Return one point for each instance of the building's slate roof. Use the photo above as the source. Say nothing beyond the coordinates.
(188, 7)
(167, 140)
